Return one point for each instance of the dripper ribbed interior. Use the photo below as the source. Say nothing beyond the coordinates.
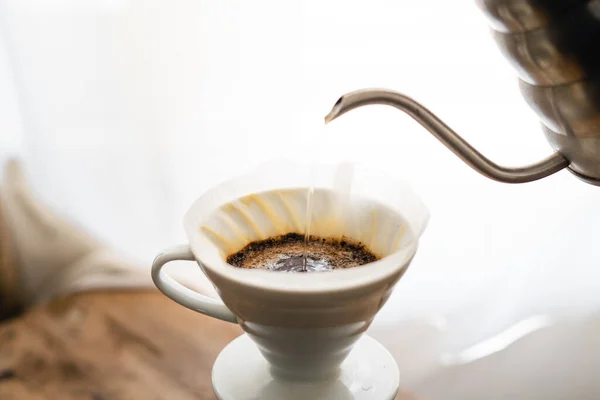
(273, 213)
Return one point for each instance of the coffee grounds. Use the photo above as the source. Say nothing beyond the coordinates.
(286, 253)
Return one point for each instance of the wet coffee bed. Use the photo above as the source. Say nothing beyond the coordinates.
(292, 253)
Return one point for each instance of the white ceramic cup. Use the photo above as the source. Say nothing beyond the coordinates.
(304, 324)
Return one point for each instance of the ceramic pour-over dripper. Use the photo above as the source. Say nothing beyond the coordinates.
(304, 324)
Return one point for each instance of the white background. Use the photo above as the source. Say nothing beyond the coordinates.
(125, 111)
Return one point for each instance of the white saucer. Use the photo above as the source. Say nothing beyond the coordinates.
(241, 373)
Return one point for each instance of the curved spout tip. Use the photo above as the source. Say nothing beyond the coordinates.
(335, 111)
(359, 98)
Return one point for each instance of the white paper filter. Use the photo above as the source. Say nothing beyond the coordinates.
(349, 200)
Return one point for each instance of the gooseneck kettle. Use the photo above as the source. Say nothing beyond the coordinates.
(554, 46)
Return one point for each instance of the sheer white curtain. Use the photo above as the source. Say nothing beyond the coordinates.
(125, 111)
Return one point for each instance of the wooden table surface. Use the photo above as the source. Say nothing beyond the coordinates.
(112, 346)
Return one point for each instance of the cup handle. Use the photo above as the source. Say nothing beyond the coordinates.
(182, 295)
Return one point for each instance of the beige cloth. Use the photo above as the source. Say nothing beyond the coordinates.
(50, 255)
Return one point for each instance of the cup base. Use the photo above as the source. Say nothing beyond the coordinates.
(241, 373)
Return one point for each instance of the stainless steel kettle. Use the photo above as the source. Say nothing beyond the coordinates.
(554, 45)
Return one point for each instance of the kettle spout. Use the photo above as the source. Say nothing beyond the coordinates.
(448, 137)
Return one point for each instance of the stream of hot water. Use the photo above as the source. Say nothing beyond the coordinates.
(342, 185)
